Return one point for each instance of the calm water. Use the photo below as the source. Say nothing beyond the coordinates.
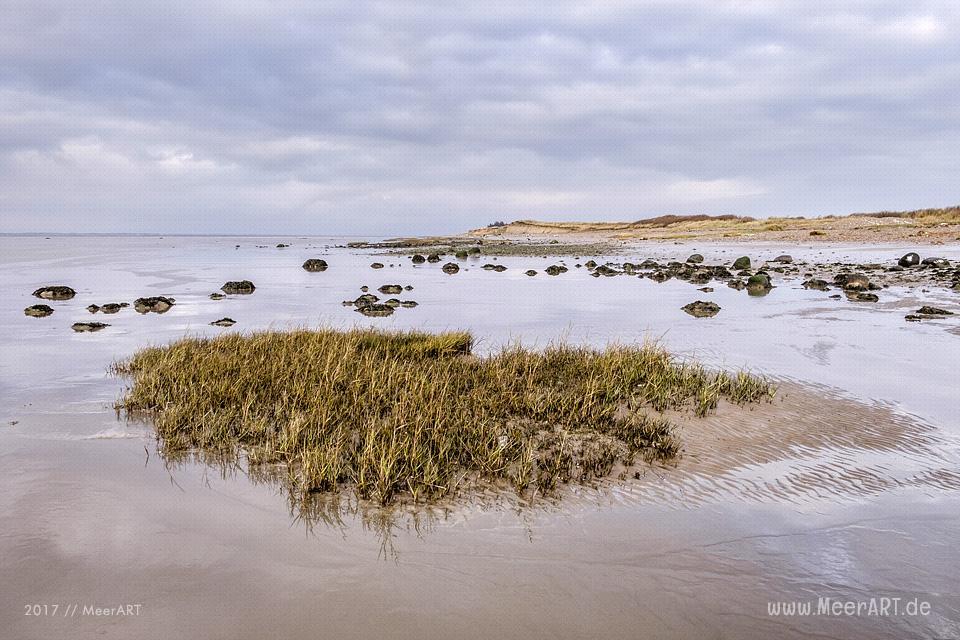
(848, 487)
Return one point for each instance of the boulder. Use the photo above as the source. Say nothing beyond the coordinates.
(450, 268)
(701, 309)
(112, 307)
(909, 260)
(376, 310)
(366, 299)
(154, 304)
(376, 265)
(55, 292)
(315, 264)
(38, 311)
(604, 270)
(418, 259)
(93, 308)
(217, 296)
(759, 280)
(555, 270)
(88, 327)
(433, 257)
(784, 259)
(530, 272)
(853, 281)
(935, 262)
(741, 263)
(409, 304)
(238, 287)
(224, 322)
(933, 311)
(391, 289)
(819, 285)
(695, 259)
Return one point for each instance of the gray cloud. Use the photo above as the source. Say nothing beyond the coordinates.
(389, 117)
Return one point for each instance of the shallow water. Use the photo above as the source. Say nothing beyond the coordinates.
(847, 486)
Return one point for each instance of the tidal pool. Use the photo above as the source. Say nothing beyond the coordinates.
(845, 487)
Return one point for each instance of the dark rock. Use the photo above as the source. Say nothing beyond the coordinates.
(706, 289)
(93, 308)
(784, 259)
(450, 268)
(238, 287)
(376, 265)
(418, 259)
(860, 296)
(759, 280)
(590, 264)
(819, 285)
(155, 304)
(409, 287)
(390, 289)
(38, 311)
(853, 281)
(474, 251)
(217, 296)
(913, 318)
(737, 284)
(909, 260)
(933, 311)
(112, 307)
(55, 292)
(224, 322)
(392, 302)
(461, 255)
(742, 262)
(604, 270)
(409, 304)
(936, 262)
(695, 259)
(659, 276)
(87, 327)
(376, 310)
(364, 288)
(366, 299)
(701, 309)
(530, 272)
(282, 246)
(433, 257)
(555, 270)
(315, 264)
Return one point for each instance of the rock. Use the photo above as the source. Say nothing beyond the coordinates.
(737, 284)
(224, 322)
(741, 263)
(38, 311)
(113, 307)
(238, 287)
(701, 309)
(376, 310)
(936, 262)
(860, 296)
(759, 280)
(365, 300)
(392, 302)
(155, 304)
(217, 296)
(819, 285)
(93, 308)
(315, 264)
(913, 318)
(282, 245)
(659, 276)
(390, 289)
(433, 257)
(409, 287)
(604, 270)
(706, 289)
(909, 260)
(530, 272)
(409, 304)
(364, 288)
(87, 327)
(450, 268)
(499, 268)
(784, 259)
(590, 264)
(853, 281)
(933, 311)
(555, 270)
(376, 265)
(695, 259)
(461, 255)
(474, 251)
(418, 259)
(489, 267)
(55, 292)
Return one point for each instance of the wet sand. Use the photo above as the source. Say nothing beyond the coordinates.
(845, 486)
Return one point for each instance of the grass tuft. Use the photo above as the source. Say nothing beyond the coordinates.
(415, 416)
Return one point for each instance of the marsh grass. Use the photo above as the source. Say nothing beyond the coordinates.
(415, 416)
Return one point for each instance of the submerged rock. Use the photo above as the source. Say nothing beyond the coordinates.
(861, 296)
(55, 292)
(530, 272)
(702, 309)
(741, 263)
(87, 327)
(759, 281)
(224, 322)
(433, 257)
(555, 270)
(418, 259)
(376, 265)
(933, 311)
(390, 289)
(238, 287)
(154, 304)
(376, 310)
(365, 300)
(819, 285)
(315, 264)
(93, 308)
(909, 260)
(409, 304)
(38, 311)
(450, 268)
(217, 296)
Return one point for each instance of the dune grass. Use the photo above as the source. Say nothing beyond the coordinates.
(414, 416)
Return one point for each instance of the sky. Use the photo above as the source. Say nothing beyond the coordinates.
(400, 117)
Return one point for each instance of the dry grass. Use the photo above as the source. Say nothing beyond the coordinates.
(414, 416)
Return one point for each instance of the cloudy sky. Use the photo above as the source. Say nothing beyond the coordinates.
(392, 117)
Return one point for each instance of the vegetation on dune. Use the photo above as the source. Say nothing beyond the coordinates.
(415, 416)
